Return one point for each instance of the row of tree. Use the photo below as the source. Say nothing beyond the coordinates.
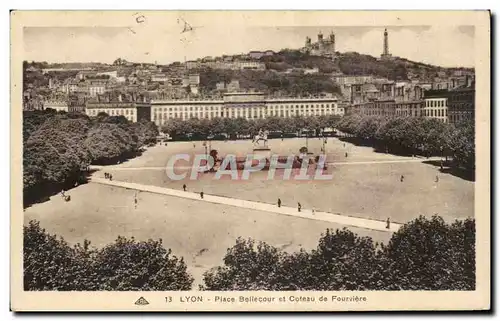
(417, 257)
(59, 147)
(236, 127)
(415, 135)
(425, 254)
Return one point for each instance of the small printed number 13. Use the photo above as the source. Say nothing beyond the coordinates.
(168, 299)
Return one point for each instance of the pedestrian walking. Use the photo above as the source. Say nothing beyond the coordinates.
(441, 165)
(135, 200)
(201, 195)
(437, 179)
(106, 175)
(279, 202)
(402, 178)
(388, 225)
(184, 187)
(346, 154)
(299, 207)
(110, 177)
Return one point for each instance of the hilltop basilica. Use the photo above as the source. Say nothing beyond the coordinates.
(323, 47)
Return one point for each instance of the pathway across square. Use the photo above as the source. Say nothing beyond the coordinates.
(265, 207)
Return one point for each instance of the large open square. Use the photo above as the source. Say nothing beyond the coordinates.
(365, 184)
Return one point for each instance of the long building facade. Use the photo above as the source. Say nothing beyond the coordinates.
(245, 105)
(133, 111)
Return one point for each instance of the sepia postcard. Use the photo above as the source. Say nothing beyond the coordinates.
(250, 160)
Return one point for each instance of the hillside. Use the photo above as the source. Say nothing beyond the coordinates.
(284, 74)
(353, 63)
(270, 82)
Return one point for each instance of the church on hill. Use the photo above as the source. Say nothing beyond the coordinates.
(323, 47)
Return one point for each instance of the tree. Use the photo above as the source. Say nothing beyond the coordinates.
(128, 265)
(247, 266)
(417, 257)
(107, 142)
(50, 264)
(342, 261)
(53, 156)
(145, 131)
(462, 144)
(421, 252)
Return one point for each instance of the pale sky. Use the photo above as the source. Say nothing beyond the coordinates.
(448, 46)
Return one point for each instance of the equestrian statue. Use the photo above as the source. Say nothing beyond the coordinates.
(262, 136)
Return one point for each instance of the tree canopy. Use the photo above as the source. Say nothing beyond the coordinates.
(417, 257)
(58, 147)
(51, 264)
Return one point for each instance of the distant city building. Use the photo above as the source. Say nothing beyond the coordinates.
(260, 54)
(311, 71)
(387, 108)
(233, 86)
(159, 77)
(462, 103)
(245, 105)
(133, 111)
(95, 90)
(191, 80)
(349, 80)
(233, 65)
(256, 54)
(56, 105)
(323, 47)
(436, 105)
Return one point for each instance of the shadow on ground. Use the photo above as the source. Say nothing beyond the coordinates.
(377, 148)
(42, 193)
(458, 172)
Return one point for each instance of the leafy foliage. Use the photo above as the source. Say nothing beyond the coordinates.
(429, 136)
(50, 263)
(126, 265)
(429, 254)
(234, 127)
(418, 257)
(58, 147)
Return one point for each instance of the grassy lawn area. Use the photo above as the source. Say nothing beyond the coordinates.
(199, 232)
